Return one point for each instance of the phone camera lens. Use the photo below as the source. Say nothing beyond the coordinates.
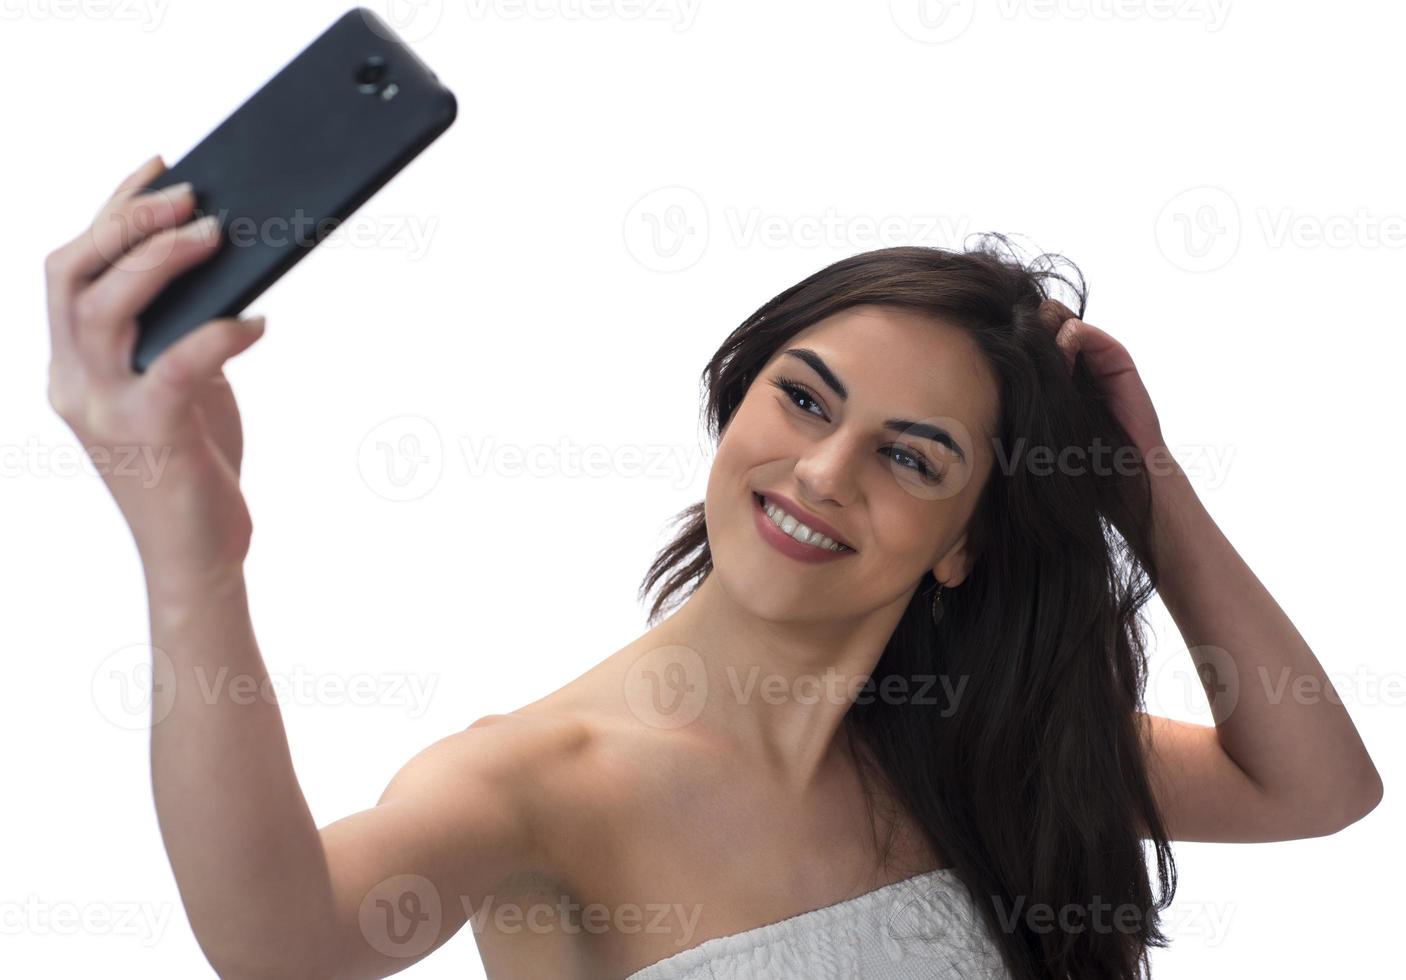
(370, 77)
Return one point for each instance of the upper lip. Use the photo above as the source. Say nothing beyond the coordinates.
(804, 516)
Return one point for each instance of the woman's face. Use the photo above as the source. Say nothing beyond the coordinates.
(900, 498)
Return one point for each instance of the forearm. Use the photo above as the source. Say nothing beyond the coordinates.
(245, 851)
(1277, 714)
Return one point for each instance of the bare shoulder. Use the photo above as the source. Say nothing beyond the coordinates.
(590, 781)
(550, 755)
(527, 762)
(563, 758)
(588, 775)
(496, 749)
(458, 819)
(517, 745)
(492, 796)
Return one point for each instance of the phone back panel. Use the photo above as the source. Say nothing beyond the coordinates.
(293, 162)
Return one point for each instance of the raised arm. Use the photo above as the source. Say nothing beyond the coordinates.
(267, 893)
(1276, 765)
(454, 823)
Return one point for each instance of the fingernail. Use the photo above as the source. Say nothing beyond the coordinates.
(203, 227)
(254, 323)
(175, 190)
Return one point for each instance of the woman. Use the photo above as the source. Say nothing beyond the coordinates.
(908, 745)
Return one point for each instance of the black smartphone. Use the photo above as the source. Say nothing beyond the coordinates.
(292, 163)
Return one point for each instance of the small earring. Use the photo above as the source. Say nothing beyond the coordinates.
(937, 605)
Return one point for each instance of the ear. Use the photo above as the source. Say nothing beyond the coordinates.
(952, 568)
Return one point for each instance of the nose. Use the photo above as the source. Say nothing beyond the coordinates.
(826, 472)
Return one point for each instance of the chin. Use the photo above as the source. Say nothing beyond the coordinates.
(751, 582)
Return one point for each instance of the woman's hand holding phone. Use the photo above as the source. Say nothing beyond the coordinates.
(136, 372)
(168, 442)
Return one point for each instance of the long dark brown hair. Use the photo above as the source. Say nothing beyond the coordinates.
(1032, 781)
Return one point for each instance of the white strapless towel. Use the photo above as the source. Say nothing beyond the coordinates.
(921, 928)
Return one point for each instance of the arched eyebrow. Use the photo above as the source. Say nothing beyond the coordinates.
(922, 429)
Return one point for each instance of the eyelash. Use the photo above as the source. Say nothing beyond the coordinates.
(793, 388)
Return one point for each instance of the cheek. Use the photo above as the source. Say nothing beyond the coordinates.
(738, 454)
(752, 437)
(907, 533)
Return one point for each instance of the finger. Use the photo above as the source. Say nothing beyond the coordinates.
(180, 373)
(102, 311)
(62, 277)
(70, 261)
(138, 178)
(214, 401)
(1067, 340)
(1096, 344)
(1053, 314)
(1106, 358)
(113, 235)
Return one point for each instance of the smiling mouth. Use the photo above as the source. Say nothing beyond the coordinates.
(823, 543)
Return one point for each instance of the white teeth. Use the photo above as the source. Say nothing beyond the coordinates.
(796, 529)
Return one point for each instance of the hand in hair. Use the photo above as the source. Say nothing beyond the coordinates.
(1111, 369)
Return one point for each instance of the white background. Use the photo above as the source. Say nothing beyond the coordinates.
(1228, 176)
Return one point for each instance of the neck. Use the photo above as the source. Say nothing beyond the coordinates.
(777, 691)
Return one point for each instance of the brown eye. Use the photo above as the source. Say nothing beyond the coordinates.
(919, 466)
(796, 393)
